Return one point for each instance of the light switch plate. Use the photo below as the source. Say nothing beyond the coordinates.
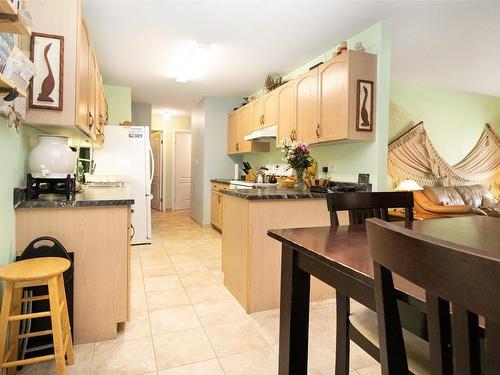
(331, 166)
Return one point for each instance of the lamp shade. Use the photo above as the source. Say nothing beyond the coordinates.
(409, 185)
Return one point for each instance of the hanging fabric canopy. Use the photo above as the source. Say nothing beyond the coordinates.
(412, 156)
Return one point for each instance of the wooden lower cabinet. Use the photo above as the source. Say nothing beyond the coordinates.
(99, 237)
(251, 260)
(217, 205)
(216, 211)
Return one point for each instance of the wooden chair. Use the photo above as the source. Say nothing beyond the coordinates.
(459, 284)
(28, 273)
(360, 326)
(364, 205)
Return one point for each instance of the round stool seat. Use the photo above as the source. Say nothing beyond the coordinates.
(33, 269)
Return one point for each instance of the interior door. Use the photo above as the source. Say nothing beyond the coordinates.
(157, 184)
(182, 191)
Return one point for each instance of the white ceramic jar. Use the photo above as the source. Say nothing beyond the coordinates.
(52, 157)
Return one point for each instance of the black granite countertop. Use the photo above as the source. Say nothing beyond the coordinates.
(89, 197)
(271, 193)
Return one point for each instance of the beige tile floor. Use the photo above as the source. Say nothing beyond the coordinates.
(184, 321)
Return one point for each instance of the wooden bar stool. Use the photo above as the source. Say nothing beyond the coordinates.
(28, 273)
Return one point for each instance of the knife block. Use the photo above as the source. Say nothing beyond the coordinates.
(250, 176)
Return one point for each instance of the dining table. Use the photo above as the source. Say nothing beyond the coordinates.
(340, 257)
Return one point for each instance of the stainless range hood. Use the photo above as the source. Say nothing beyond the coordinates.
(263, 135)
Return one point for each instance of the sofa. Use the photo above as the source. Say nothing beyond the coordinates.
(451, 201)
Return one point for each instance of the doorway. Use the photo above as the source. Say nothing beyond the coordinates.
(157, 184)
(182, 170)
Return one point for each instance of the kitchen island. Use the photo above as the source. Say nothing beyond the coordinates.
(96, 227)
(251, 260)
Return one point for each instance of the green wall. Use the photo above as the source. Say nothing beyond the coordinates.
(119, 104)
(168, 127)
(351, 159)
(14, 151)
(453, 120)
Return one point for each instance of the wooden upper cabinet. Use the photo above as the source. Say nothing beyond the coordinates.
(306, 104)
(333, 81)
(92, 117)
(257, 118)
(245, 127)
(285, 116)
(232, 132)
(319, 106)
(81, 84)
(83, 80)
(270, 108)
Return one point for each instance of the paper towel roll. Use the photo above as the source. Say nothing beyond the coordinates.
(236, 171)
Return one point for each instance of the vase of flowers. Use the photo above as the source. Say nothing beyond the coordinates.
(298, 157)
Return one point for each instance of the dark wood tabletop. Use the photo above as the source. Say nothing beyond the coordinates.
(340, 256)
(334, 245)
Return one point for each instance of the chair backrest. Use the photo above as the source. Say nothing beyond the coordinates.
(459, 286)
(364, 205)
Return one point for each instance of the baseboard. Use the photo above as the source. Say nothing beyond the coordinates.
(200, 223)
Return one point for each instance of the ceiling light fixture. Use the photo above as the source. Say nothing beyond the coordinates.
(197, 58)
(167, 115)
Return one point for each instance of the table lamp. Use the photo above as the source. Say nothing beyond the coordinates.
(409, 185)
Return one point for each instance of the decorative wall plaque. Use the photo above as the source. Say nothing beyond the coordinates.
(364, 105)
(46, 89)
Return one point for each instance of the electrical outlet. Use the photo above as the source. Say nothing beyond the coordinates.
(331, 166)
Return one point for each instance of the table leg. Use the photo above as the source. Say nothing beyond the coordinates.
(294, 315)
(343, 341)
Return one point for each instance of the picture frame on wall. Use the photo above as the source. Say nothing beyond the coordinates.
(364, 105)
(46, 88)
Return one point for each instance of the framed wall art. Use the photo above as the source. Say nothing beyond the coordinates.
(364, 105)
(46, 89)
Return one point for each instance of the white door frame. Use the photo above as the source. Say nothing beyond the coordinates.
(174, 171)
(162, 164)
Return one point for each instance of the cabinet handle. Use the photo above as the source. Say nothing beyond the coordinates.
(263, 121)
(317, 131)
(237, 146)
(91, 120)
(218, 198)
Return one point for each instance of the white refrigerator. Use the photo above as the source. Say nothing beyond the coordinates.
(127, 152)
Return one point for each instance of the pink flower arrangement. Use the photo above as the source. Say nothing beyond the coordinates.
(297, 154)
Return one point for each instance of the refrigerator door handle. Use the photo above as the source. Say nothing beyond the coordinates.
(152, 165)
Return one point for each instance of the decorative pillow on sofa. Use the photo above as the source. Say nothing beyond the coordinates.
(443, 195)
(473, 195)
(490, 202)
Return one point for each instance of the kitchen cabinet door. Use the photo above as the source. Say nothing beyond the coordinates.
(215, 212)
(333, 81)
(270, 108)
(92, 116)
(286, 117)
(306, 104)
(232, 132)
(82, 87)
(257, 116)
(245, 127)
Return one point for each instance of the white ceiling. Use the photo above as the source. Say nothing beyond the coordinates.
(142, 44)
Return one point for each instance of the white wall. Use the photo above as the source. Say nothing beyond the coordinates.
(197, 159)
(209, 157)
(141, 114)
